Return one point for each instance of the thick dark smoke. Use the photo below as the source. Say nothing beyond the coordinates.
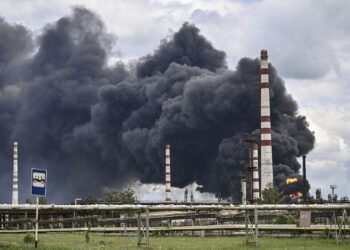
(187, 47)
(94, 125)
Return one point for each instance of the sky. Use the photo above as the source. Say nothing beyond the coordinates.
(308, 43)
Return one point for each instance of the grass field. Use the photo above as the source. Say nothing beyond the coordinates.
(60, 241)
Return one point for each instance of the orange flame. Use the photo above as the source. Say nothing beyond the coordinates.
(291, 180)
(296, 195)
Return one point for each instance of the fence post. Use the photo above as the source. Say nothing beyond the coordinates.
(256, 226)
(147, 227)
(25, 217)
(138, 228)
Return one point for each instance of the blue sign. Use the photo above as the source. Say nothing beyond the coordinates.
(39, 178)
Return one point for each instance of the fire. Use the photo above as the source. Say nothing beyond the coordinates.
(291, 180)
(296, 195)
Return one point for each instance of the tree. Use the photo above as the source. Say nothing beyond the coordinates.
(89, 200)
(28, 201)
(42, 200)
(112, 195)
(126, 196)
(271, 195)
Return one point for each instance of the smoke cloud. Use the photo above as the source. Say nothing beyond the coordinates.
(94, 125)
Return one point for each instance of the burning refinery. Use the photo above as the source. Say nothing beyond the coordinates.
(177, 116)
(185, 126)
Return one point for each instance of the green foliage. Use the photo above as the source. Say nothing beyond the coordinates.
(42, 200)
(271, 195)
(28, 238)
(5, 245)
(127, 196)
(87, 234)
(159, 233)
(112, 195)
(89, 200)
(68, 241)
(87, 237)
(28, 201)
(285, 219)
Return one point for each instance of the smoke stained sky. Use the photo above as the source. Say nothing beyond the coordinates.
(132, 42)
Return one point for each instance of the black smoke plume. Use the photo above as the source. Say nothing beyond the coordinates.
(94, 125)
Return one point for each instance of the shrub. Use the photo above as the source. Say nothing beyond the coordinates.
(285, 219)
(28, 238)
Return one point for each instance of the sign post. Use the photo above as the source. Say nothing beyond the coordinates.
(39, 178)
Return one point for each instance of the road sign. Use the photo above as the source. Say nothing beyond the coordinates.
(39, 178)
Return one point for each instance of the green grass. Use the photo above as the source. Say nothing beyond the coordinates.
(61, 241)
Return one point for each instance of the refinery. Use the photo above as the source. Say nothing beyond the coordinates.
(251, 217)
(185, 147)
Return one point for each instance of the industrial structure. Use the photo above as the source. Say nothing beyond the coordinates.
(167, 174)
(304, 190)
(15, 174)
(265, 125)
(244, 190)
(256, 180)
(250, 179)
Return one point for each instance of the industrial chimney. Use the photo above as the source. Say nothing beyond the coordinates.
(265, 125)
(256, 184)
(15, 174)
(304, 179)
(167, 174)
(244, 190)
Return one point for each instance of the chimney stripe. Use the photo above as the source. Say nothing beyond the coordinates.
(264, 71)
(265, 118)
(264, 78)
(266, 136)
(265, 130)
(266, 143)
(264, 64)
(265, 125)
(264, 85)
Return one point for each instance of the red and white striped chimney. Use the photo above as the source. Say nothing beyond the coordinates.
(167, 174)
(15, 174)
(256, 186)
(265, 129)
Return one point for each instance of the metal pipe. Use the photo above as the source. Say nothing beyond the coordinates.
(172, 207)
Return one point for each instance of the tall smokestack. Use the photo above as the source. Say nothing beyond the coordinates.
(265, 129)
(243, 190)
(15, 174)
(167, 174)
(256, 184)
(304, 178)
